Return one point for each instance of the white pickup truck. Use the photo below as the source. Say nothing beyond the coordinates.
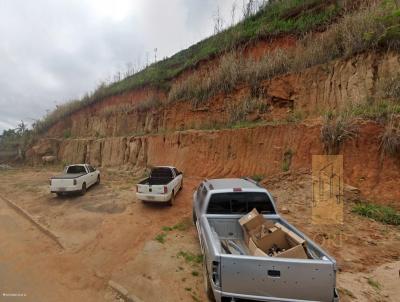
(162, 185)
(76, 178)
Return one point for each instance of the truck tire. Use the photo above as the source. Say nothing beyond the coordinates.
(207, 284)
(83, 190)
(98, 180)
(172, 200)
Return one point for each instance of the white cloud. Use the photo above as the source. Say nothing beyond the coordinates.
(53, 51)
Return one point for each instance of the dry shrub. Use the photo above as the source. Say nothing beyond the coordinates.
(229, 73)
(390, 139)
(359, 31)
(390, 87)
(335, 131)
(151, 102)
(115, 110)
(356, 32)
(272, 64)
(247, 105)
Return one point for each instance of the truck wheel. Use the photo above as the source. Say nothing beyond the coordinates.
(83, 191)
(207, 284)
(98, 180)
(172, 200)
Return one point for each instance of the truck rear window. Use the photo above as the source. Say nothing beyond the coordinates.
(76, 169)
(161, 173)
(239, 203)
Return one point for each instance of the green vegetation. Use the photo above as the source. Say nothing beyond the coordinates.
(195, 298)
(183, 225)
(375, 284)
(384, 214)
(195, 273)
(380, 111)
(161, 237)
(346, 292)
(190, 257)
(67, 133)
(257, 177)
(14, 142)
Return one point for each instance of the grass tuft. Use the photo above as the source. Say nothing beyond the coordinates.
(161, 237)
(190, 257)
(384, 214)
(390, 139)
(335, 130)
(375, 284)
(257, 177)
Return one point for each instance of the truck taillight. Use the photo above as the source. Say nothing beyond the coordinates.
(165, 190)
(75, 182)
(215, 273)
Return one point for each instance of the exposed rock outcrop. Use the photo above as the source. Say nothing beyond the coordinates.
(241, 152)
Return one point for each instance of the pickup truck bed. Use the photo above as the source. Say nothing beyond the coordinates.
(155, 181)
(235, 270)
(68, 176)
(283, 278)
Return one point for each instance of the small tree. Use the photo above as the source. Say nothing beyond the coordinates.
(218, 22)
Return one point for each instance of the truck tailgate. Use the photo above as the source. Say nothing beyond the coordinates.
(149, 189)
(62, 183)
(312, 280)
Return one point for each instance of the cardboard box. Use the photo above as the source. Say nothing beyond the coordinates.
(251, 220)
(263, 230)
(292, 247)
(296, 252)
(292, 236)
(254, 223)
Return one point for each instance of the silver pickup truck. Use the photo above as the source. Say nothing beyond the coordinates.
(218, 205)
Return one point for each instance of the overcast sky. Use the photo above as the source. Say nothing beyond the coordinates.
(55, 50)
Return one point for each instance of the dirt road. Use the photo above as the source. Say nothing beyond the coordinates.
(107, 235)
(29, 265)
(153, 250)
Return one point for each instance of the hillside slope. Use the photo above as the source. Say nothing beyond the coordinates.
(320, 77)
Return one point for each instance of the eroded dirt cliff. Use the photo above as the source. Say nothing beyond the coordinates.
(260, 150)
(309, 92)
